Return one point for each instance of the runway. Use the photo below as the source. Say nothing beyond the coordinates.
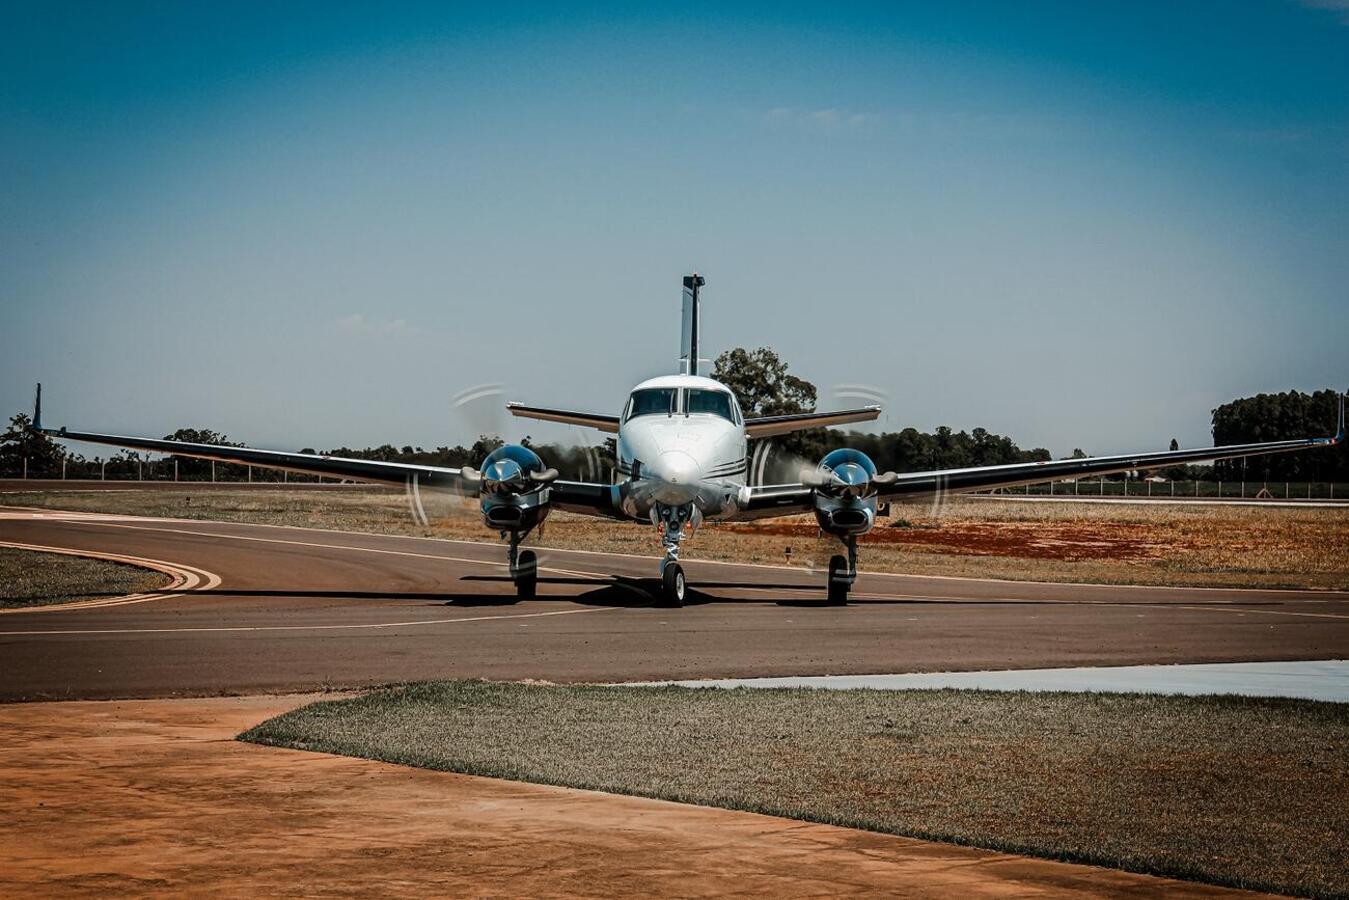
(298, 609)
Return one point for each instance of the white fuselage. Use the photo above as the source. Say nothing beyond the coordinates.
(681, 440)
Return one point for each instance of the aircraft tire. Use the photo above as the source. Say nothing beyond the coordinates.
(838, 581)
(672, 585)
(527, 575)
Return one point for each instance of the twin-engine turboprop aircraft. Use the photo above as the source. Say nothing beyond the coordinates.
(682, 445)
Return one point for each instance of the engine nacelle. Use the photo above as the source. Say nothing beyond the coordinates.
(845, 484)
(513, 484)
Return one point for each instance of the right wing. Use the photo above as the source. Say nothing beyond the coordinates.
(590, 420)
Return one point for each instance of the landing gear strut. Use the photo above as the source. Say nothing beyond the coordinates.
(524, 567)
(842, 574)
(671, 520)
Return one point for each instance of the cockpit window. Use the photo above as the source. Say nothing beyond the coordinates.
(716, 402)
(650, 402)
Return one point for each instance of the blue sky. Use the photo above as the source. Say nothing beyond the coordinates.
(1083, 225)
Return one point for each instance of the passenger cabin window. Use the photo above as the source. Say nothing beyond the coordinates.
(651, 402)
(718, 403)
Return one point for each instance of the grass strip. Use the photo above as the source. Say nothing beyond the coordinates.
(1237, 791)
(32, 578)
(1245, 792)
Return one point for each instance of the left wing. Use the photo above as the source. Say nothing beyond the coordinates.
(367, 470)
(789, 499)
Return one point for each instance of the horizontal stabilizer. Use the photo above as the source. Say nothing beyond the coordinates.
(767, 426)
(589, 420)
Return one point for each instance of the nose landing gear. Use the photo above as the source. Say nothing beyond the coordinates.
(671, 520)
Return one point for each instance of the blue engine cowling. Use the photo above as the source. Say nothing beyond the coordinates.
(845, 493)
(514, 488)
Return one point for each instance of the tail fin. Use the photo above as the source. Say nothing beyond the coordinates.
(688, 341)
(37, 409)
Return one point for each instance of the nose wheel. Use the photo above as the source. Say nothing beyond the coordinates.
(672, 585)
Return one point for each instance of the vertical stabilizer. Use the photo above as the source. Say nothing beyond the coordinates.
(37, 408)
(691, 326)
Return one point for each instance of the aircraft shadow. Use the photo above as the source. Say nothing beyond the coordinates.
(620, 591)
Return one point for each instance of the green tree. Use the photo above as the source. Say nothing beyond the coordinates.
(1277, 417)
(21, 442)
(761, 382)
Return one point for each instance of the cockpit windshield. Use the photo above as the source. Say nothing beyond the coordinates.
(650, 402)
(717, 403)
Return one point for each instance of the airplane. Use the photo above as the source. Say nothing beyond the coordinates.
(682, 444)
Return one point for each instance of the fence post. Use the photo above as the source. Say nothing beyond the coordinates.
(212, 471)
(103, 471)
(250, 474)
(175, 471)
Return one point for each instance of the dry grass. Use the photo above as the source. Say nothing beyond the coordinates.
(28, 578)
(1232, 546)
(1246, 792)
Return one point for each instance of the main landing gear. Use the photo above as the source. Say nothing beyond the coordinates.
(672, 520)
(842, 574)
(524, 567)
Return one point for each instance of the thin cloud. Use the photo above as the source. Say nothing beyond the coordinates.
(1335, 6)
(361, 325)
(824, 118)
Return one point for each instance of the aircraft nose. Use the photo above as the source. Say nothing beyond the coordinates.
(679, 476)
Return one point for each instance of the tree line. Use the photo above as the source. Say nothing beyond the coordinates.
(764, 386)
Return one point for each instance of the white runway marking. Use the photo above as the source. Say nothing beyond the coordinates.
(355, 627)
(28, 512)
(1326, 680)
(108, 522)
